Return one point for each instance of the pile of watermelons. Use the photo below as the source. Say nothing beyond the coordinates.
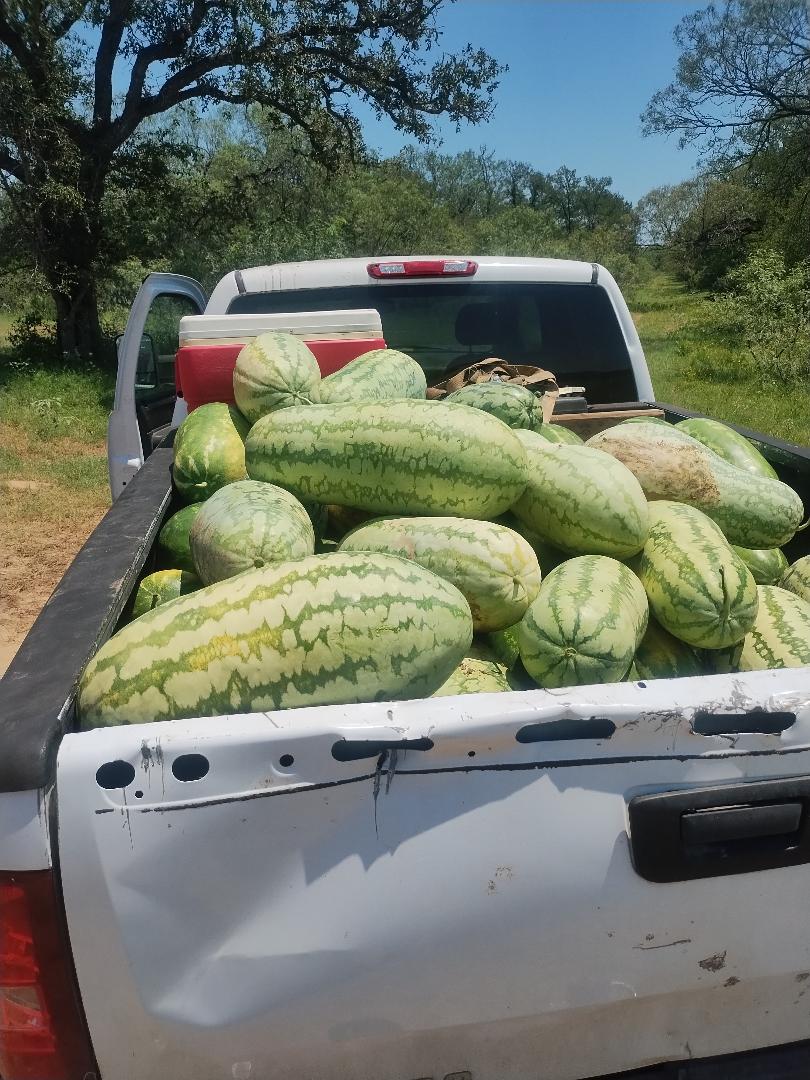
(345, 539)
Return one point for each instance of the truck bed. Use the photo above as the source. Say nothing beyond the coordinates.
(488, 888)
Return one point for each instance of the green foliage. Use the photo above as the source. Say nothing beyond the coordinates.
(49, 404)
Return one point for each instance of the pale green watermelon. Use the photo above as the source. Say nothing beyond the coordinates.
(247, 525)
(274, 371)
(378, 375)
(796, 578)
(780, 637)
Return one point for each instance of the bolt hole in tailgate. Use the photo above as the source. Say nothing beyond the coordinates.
(467, 886)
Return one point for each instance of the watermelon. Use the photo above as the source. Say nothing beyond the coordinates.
(585, 625)
(379, 375)
(581, 500)
(766, 564)
(780, 637)
(558, 433)
(632, 674)
(342, 519)
(516, 405)
(272, 372)
(493, 567)
(162, 586)
(249, 524)
(326, 630)
(722, 661)
(479, 672)
(796, 578)
(547, 555)
(699, 589)
(645, 420)
(173, 546)
(503, 644)
(209, 451)
(392, 457)
(753, 511)
(729, 444)
(662, 656)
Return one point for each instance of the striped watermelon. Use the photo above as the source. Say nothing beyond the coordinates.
(479, 672)
(503, 644)
(249, 524)
(273, 371)
(585, 625)
(768, 565)
(722, 661)
(379, 375)
(780, 637)
(558, 433)
(699, 589)
(753, 511)
(493, 567)
(729, 444)
(662, 656)
(162, 586)
(516, 405)
(209, 451)
(547, 555)
(645, 420)
(796, 578)
(581, 500)
(173, 546)
(329, 629)
(392, 457)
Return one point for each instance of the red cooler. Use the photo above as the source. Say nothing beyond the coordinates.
(209, 345)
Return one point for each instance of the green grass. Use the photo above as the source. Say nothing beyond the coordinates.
(701, 372)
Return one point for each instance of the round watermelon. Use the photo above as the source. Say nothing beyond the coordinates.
(247, 525)
(272, 372)
(209, 451)
(515, 405)
(556, 433)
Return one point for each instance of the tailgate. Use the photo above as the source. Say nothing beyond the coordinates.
(445, 887)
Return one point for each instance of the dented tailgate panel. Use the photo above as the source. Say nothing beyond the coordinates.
(391, 892)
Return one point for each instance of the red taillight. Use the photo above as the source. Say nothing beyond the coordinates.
(43, 1035)
(423, 268)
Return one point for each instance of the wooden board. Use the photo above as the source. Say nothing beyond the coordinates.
(590, 423)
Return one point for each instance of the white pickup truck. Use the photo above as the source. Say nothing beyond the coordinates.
(541, 884)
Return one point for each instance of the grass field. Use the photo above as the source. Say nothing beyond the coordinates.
(53, 468)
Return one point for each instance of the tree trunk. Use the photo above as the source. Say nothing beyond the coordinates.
(77, 320)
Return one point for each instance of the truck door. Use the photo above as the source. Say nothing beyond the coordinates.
(145, 406)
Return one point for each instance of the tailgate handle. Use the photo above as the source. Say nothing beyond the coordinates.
(740, 823)
(724, 829)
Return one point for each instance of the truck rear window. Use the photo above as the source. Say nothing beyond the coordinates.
(569, 329)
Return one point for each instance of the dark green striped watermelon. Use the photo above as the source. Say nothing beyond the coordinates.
(662, 656)
(729, 444)
(209, 451)
(378, 375)
(515, 405)
(162, 586)
(796, 578)
(768, 565)
(173, 545)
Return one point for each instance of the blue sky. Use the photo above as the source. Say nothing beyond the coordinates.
(580, 74)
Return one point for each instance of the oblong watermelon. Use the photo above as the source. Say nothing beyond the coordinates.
(796, 578)
(162, 586)
(662, 656)
(581, 500)
(699, 589)
(494, 568)
(274, 371)
(327, 630)
(768, 565)
(585, 625)
(209, 451)
(753, 511)
(173, 545)
(558, 433)
(247, 525)
(645, 420)
(516, 405)
(393, 457)
(729, 444)
(780, 637)
(378, 375)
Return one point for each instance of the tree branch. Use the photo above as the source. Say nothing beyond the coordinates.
(9, 164)
(111, 34)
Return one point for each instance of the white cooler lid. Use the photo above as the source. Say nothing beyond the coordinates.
(312, 325)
